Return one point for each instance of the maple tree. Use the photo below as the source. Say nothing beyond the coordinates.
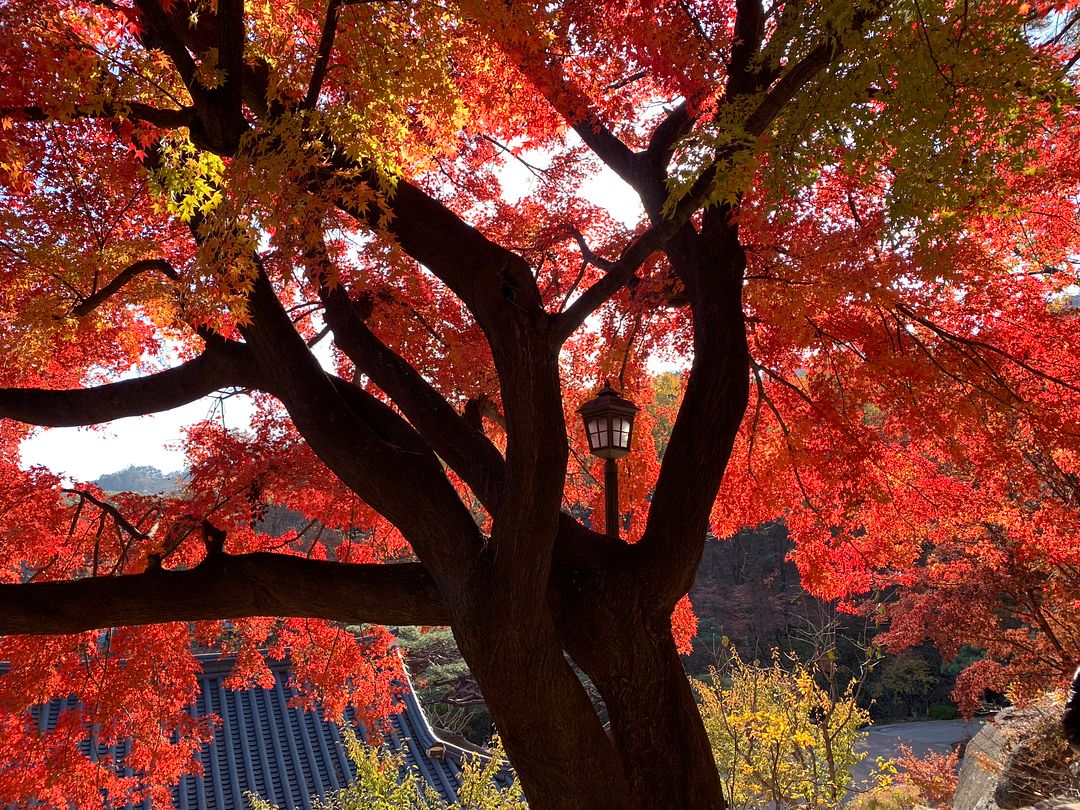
(858, 227)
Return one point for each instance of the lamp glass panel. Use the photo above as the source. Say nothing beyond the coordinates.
(594, 429)
(622, 433)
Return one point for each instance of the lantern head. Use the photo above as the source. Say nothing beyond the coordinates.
(609, 423)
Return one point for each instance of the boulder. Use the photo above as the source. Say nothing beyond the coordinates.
(1020, 760)
(978, 777)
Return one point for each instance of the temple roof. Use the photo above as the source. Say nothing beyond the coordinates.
(284, 754)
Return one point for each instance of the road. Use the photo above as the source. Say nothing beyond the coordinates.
(932, 735)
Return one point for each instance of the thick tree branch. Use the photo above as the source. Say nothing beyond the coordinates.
(499, 289)
(461, 445)
(616, 155)
(227, 587)
(166, 119)
(159, 33)
(368, 446)
(711, 267)
(493, 282)
(743, 75)
(806, 69)
(678, 123)
(467, 450)
(219, 121)
(93, 301)
(222, 365)
(230, 96)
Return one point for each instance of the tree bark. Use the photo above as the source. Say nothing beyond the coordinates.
(626, 647)
(226, 586)
(548, 725)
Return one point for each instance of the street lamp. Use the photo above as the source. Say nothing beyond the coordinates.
(609, 423)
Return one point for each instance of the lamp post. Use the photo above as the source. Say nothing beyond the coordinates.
(609, 423)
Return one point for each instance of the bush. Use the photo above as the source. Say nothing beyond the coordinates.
(943, 711)
(779, 739)
(887, 797)
(932, 775)
(380, 785)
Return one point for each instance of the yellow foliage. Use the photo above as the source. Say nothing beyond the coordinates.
(888, 797)
(380, 785)
(778, 738)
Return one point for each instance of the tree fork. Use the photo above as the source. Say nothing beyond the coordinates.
(625, 646)
(547, 723)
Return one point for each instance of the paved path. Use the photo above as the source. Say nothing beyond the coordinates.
(922, 737)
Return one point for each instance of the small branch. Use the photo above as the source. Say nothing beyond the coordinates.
(322, 57)
(316, 339)
(633, 77)
(972, 343)
(574, 285)
(93, 301)
(695, 21)
(629, 345)
(536, 171)
(108, 508)
(619, 274)
(587, 253)
(1072, 61)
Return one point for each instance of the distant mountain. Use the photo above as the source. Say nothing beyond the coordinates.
(275, 521)
(141, 480)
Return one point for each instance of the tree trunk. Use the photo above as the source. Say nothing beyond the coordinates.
(655, 756)
(547, 722)
(655, 724)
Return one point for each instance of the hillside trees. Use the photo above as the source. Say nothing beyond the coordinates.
(858, 222)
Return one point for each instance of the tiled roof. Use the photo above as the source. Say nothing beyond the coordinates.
(284, 754)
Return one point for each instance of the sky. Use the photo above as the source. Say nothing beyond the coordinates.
(84, 454)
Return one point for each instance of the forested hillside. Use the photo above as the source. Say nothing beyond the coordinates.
(140, 480)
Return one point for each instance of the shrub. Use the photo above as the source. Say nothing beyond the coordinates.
(932, 775)
(380, 785)
(943, 711)
(778, 738)
(887, 797)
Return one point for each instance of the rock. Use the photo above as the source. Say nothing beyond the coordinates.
(1020, 760)
(1037, 767)
(977, 780)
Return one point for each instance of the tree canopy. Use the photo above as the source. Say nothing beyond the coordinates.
(857, 240)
